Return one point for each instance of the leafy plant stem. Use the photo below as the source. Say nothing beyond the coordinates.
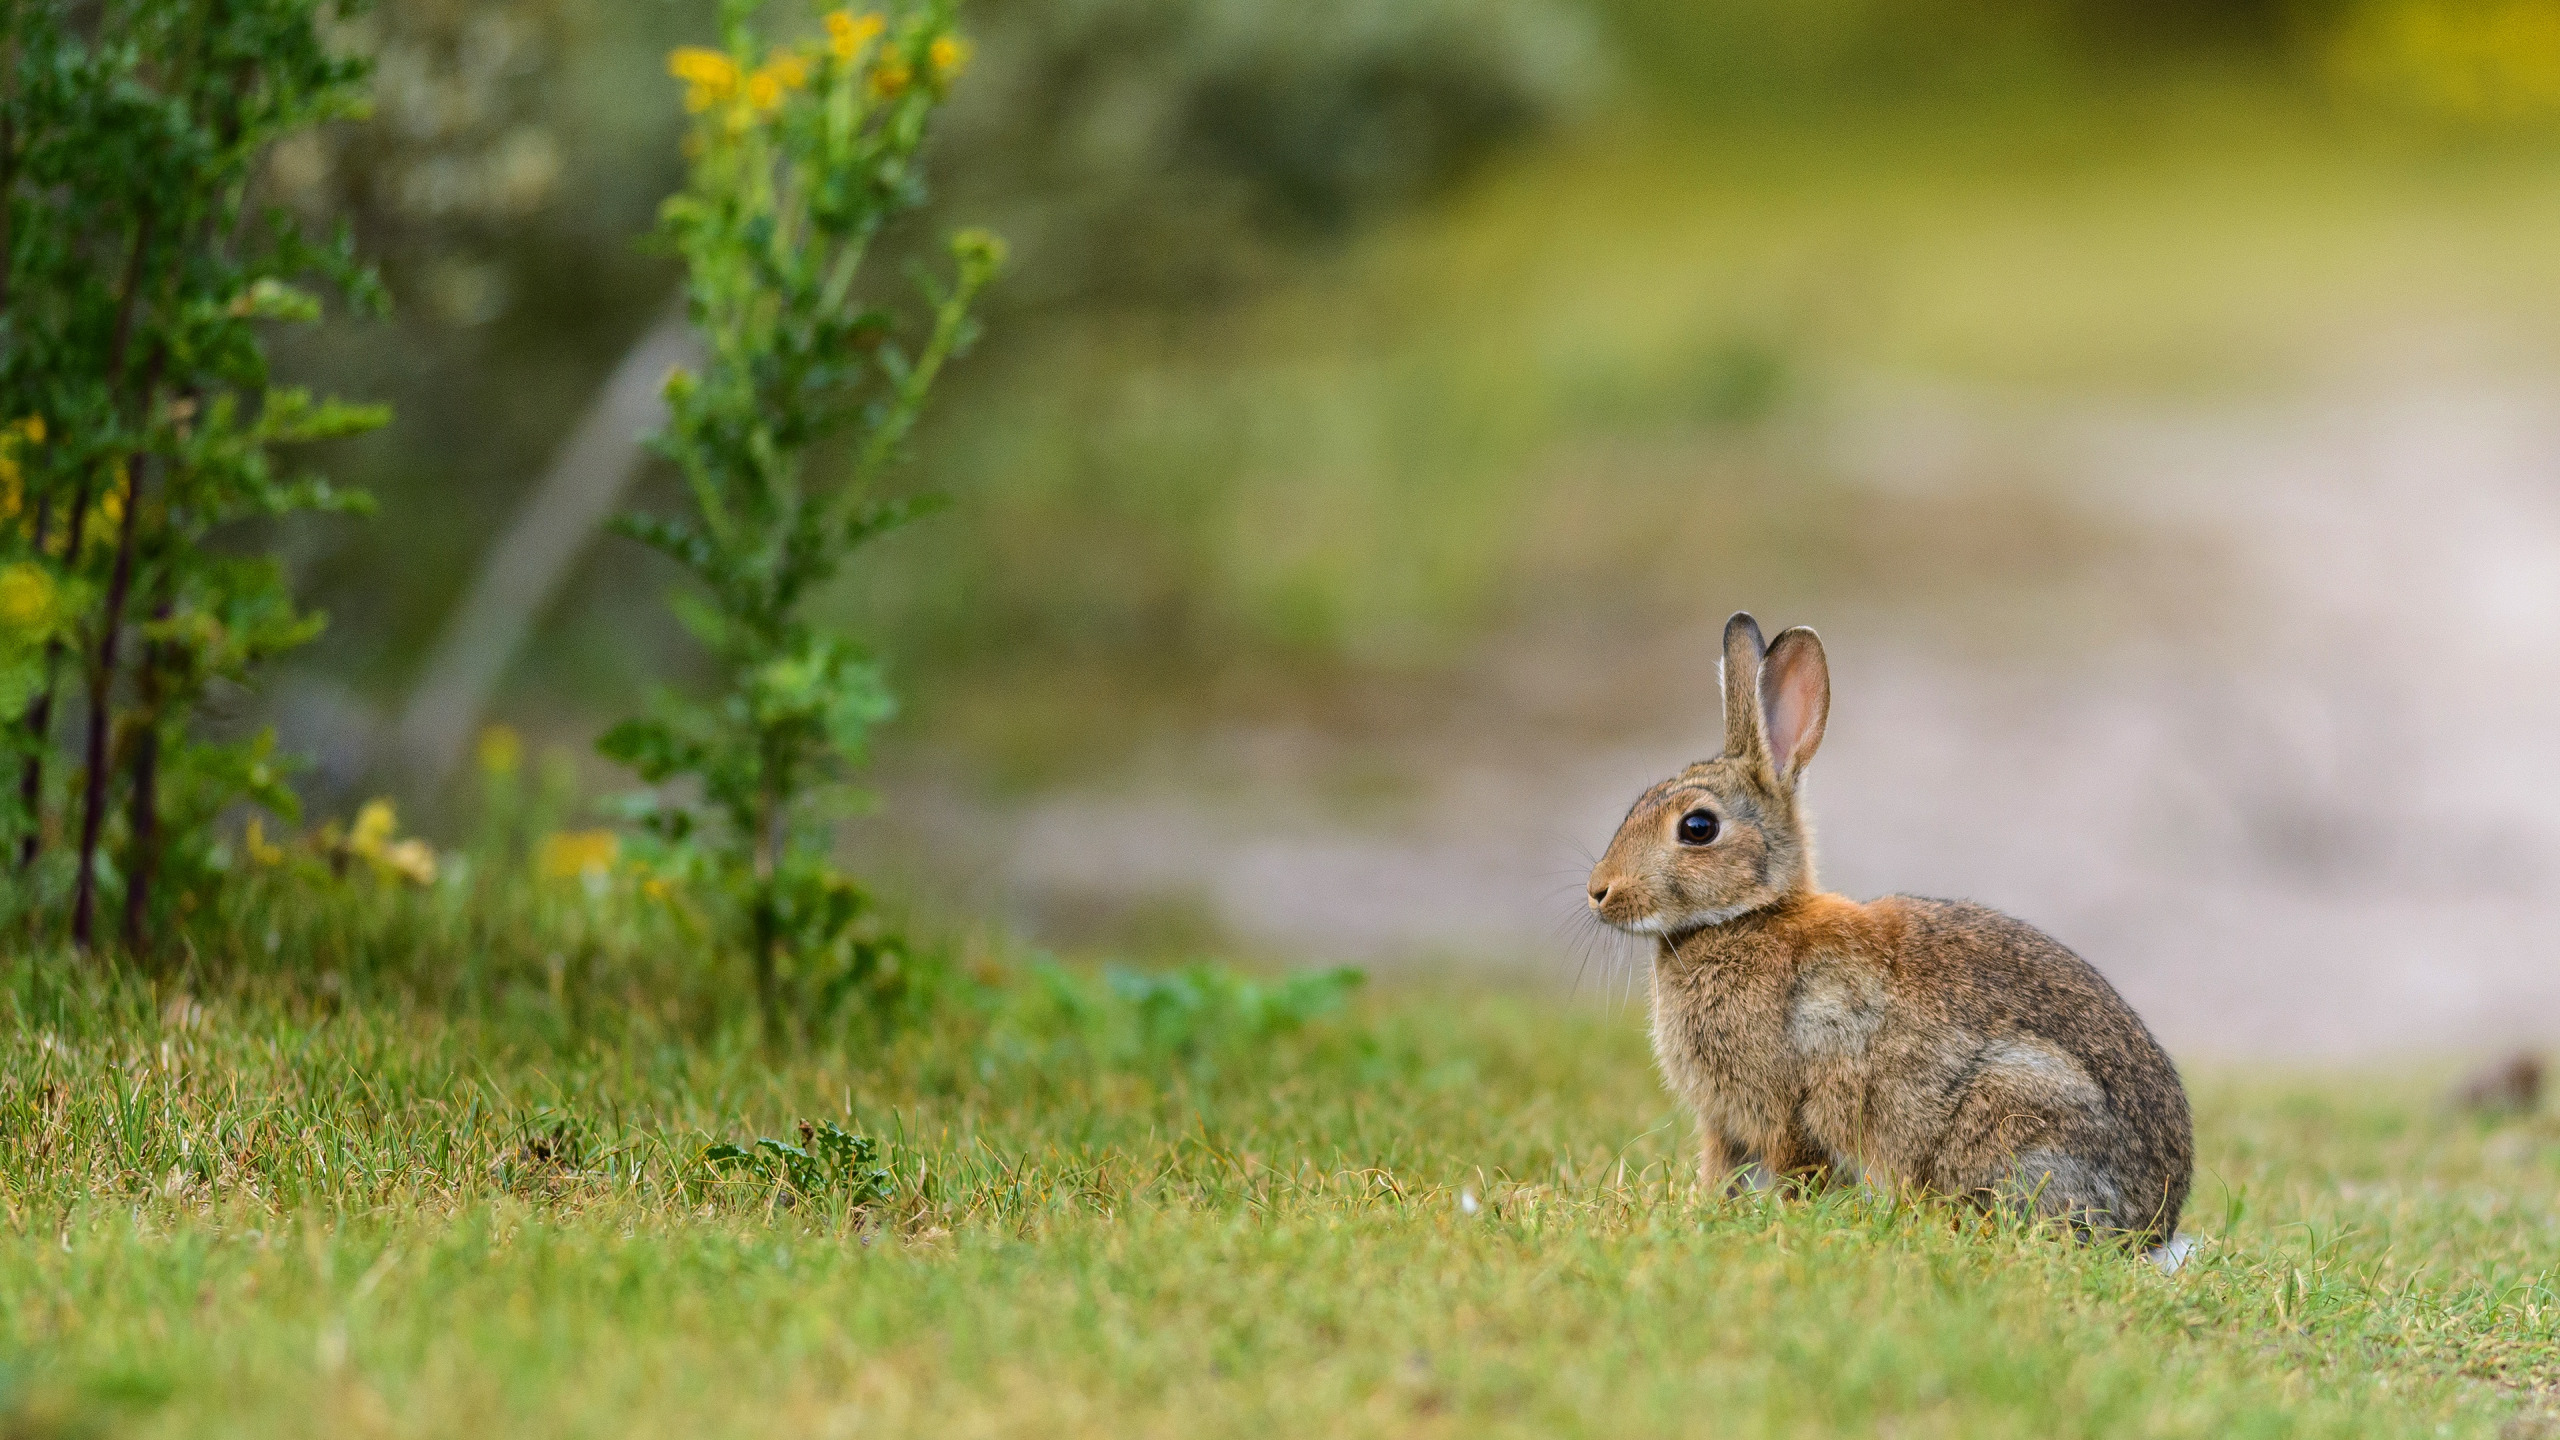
(950, 328)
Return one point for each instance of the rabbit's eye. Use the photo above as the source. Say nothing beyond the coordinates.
(1698, 827)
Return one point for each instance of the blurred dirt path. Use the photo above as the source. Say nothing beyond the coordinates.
(2309, 807)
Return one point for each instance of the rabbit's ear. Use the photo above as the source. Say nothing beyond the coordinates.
(1742, 652)
(1795, 700)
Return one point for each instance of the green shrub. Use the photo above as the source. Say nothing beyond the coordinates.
(139, 281)
(799, 154)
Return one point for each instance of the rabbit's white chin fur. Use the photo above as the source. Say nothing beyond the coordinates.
(2173, 1254)
(1689, 924)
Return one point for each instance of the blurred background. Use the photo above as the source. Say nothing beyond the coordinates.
(2151, 401)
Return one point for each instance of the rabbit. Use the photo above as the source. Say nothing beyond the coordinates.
(1912, 1044)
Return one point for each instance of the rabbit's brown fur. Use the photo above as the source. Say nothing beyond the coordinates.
(1927, 1044)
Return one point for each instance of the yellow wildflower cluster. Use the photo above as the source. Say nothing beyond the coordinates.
(709, 76)
(847, 33)
(589, 856)
(372, 841)
(591, 859)
(111, 504)
(583, 855)
(2473, 59)
(15, 436)
(26, 601)
(890, 76)
(713, 78)
(777, 77)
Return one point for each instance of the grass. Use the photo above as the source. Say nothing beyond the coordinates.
(333, 1204)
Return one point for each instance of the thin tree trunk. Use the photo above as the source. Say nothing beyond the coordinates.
(144, 821)
(768, 941)
(145, 855)
(768, 918)
(102, 675)
(39, 716)
(38, 722)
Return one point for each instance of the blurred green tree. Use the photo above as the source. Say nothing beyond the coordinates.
(140, 279)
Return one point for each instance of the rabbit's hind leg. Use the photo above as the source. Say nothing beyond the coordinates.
(2029, 1135)
(2055, 1184)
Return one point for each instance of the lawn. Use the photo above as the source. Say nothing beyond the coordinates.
(343, 1204)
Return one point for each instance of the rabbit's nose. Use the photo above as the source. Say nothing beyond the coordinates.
(1600, 892)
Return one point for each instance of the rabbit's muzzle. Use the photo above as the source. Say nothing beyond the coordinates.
(1624, 902)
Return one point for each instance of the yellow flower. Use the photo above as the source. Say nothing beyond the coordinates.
(848, 33)
(764, 90)
(891, 76)
(578, 854)
(111, 504)
(26, 599)
(501, 751)
(254, 841)
(17, 435)
(949, 55)
(373, 829)
(657, 887)
(411, 860)
(370, 839)
(709, 76)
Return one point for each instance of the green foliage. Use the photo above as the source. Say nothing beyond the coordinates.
(138, 281)
(1197, 1018)
(569, 935)
(828, 1163)
(799, 155)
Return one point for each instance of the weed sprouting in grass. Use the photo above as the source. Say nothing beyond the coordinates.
(829, 1163)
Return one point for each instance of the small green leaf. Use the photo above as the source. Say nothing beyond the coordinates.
(268, 298)
(875, 520)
